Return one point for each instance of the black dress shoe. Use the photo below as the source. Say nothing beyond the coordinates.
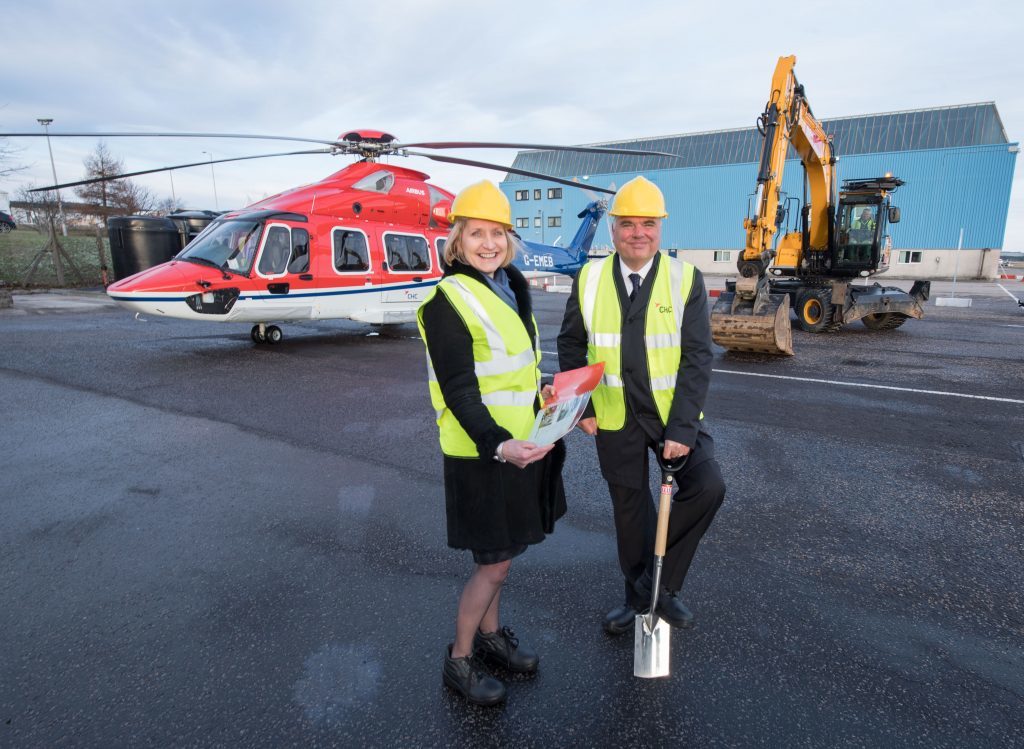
(467, 677)
(620, 619)
(502, 648)
(673, 611)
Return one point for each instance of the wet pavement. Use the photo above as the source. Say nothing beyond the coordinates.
(210, 543)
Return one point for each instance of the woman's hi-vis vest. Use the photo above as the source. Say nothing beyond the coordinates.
(602, 315)
(506, 361)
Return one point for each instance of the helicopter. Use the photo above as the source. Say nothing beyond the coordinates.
(365, 243)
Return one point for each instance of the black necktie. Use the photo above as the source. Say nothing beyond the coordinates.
(635, 278)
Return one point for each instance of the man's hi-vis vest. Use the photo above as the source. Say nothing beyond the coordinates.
(506, 361)
(602, 315)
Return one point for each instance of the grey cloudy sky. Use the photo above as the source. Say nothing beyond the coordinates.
(568, 72)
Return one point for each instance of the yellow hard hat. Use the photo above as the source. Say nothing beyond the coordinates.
(639, 197)
(482, 200)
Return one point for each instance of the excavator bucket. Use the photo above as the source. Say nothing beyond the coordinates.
(736, 326)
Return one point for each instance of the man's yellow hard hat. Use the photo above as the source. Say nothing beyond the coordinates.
(482, 200)
(639, 197)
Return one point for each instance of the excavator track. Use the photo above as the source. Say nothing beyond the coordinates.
(735, 326)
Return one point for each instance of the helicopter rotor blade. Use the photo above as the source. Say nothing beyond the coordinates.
(499, 168)
(173, 135)
(179, 166)
(538, 147)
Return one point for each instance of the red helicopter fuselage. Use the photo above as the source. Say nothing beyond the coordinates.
(363, 244)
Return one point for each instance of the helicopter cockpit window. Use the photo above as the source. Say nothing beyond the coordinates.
(350, 253)
(381, 182)
(228, 245)
(276, 251)
(299, 262)
(406, 252)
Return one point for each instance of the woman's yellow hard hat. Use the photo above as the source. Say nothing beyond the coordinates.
(482, 200)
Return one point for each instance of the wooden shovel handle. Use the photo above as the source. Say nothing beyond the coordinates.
(664, 508)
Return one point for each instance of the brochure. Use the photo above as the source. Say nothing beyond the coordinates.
(559, 415)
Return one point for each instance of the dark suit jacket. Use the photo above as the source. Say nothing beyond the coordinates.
(620, 452)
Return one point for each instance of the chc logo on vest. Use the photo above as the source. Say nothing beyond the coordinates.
(664, 309)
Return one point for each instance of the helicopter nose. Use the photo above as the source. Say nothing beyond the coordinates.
(170, 276)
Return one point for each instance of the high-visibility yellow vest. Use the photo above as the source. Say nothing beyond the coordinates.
(506, 362)
(602, 316)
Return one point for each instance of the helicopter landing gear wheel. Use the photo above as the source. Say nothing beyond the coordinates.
(274, 334)
(814, 311)
(258, 333)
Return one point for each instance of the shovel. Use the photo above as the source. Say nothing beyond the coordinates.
(651, 634)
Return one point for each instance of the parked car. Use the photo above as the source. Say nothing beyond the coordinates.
(6, 222)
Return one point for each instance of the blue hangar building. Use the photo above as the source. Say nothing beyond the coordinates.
(957, 163)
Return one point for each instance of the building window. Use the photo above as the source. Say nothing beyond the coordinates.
(909, 256)
(536, 222)
(723, 256)
(554, 193)
(522, 194)
(522, 223)
(554, 220)
(536, 194)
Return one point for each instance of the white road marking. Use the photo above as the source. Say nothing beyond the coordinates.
(1008, 292)
(877, 387)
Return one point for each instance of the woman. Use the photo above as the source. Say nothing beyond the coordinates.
(502, 493)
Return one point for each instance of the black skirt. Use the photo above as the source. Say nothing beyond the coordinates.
(496, 508)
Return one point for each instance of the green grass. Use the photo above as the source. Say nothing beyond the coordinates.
(19, 247)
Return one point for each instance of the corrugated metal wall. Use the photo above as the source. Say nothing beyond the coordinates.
(946, 189)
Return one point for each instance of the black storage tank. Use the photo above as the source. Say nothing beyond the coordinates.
(140, 242)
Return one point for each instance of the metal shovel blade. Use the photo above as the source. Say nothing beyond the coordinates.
(650, 647)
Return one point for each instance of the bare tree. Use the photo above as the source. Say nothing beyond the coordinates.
(42, 207)
(7, 165)
(119, 194)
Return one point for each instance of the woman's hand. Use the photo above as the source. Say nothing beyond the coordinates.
(547, 394)
(521, 453)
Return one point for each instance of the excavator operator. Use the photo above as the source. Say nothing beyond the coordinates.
(645, 315)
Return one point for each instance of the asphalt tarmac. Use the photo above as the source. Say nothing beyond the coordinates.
(211, 543)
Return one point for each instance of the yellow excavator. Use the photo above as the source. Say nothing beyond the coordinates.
(812, 267)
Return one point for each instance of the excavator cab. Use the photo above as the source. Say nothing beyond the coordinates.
(859, 229)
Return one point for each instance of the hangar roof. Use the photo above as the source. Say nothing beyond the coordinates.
(911, 130)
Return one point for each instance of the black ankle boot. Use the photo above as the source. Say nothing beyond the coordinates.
(502, 648)
(467, 677)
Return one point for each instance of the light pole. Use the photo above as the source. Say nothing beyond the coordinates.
(45, 122)
(540, 215)
(213, 176)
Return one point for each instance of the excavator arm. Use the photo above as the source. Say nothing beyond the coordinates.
(748, 317)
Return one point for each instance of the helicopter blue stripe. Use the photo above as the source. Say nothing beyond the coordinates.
(338, 292)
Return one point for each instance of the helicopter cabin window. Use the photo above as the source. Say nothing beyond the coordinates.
(522, 223)
(350, 252)
(276, 251)
(554, 220)
(440, 242)
(554, 193)
(536, 194)
(299, 262)
(406, 252)
(522, 194)
(381, 182)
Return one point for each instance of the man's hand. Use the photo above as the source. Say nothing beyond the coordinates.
(588, 425)
(520, 453)
(547, 394)
(674, 450)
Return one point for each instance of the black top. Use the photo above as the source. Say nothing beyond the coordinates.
(694, 365)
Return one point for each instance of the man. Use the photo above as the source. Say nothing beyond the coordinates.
(645, 315)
